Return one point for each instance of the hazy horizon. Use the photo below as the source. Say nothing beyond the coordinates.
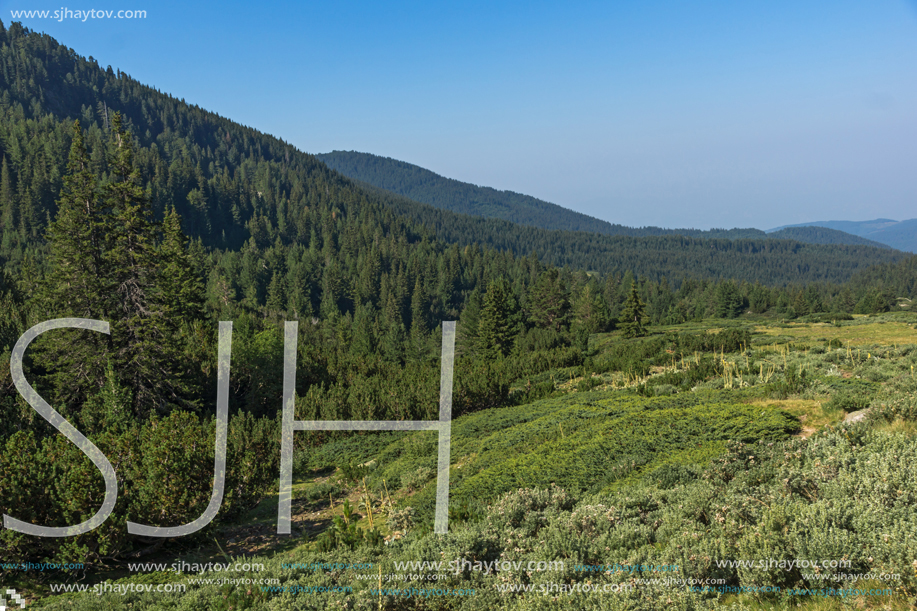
(867, 218)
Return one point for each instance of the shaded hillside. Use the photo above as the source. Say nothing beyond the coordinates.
(422, 185)
(428, 187)
(768, 261)
(823, 235)
(897, 234)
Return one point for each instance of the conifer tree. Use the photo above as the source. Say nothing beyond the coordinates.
(393, 343)
(494, 336)
(758, 299)
(592, 311)
(418, 308)
(180, 285)
(633, 317)
(363, 344)
(813, 299)
(76, 284)
(275, 294)
(549, 302)
(468, 321)
(149, 287)
(139, 338)
(330, 291)
(179, 294)
(728, 300)
(800, 305)
(7, 203)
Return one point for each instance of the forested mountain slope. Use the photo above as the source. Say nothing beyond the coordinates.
(897, 234)
(422, 185)
(768, 261)
(823, 235)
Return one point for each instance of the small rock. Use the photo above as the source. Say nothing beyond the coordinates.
(856, 416)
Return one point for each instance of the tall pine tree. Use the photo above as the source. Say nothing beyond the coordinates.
(76, 284)
(549, 301)
(181, 288)
(7, 205)
(633, 317)
(494, 337)
(140, 328)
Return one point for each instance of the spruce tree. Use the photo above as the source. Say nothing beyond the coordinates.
(275, 294)
(363, 344)
(549, 302)
(494, 337)
(153, 286)
(800, 305)
(633, 317)
(331, 280)
(418, 308)
(468, 321)
(179, 294)
(591, 310)
(729, 301)
(76, 284)
(7, 203)
(393, 343)
(813, 299)
(180, 285)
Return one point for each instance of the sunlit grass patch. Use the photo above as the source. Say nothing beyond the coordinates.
(856, 333)
(904, 427)
(819, 603)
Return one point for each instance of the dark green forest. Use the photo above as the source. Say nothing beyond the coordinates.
(125, 204)
(419, 184)
(897, 234)
(424, 186)
(822, 235)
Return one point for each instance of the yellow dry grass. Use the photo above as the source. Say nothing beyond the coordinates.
(899, 426)
(864, 334)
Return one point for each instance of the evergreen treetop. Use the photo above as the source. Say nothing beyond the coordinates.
(633, 317)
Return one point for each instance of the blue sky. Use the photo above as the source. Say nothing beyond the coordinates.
(678, 114)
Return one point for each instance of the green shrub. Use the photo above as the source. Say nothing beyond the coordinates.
(344, 533)
(794, 381)
(664, 389)
(898, 400)
(589, 383)
(322, 492)
(416, 479)
(165, 478)
(354, 473)
(671, 475)
(849, 401)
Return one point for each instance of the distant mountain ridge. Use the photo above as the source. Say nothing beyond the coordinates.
(897, 234)
(425, 186)
(430, 188)
(812, 234)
